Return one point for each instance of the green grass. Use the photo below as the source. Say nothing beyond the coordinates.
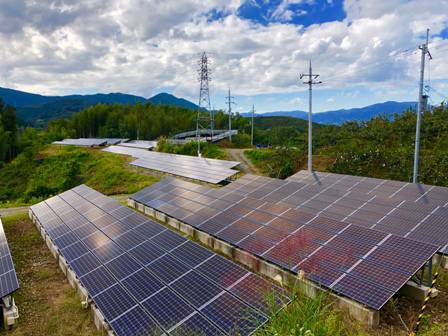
(54, 169)
(310, 317)
(46, 302)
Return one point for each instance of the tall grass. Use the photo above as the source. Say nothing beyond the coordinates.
(306, 316)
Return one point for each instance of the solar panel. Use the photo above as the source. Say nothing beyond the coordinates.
(141, 144)
(136, 271)
(299, 238)
(207, 170)
(8, 276)
(87, 142)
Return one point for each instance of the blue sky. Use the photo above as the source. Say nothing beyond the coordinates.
(365, 51)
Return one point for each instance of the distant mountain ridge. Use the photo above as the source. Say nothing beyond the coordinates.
(388, 109)
(33, 108)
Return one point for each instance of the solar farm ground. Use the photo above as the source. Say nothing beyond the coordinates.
(49, 306)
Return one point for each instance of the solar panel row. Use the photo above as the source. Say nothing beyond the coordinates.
(142, 144)
(367, 265)
(90, 142)
(207, 170)
(146, 278)
(8, 276)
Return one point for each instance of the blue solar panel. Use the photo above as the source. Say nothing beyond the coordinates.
(114, 302)
(167, 308)
(74, 251)
(196, 288)
(135, 322)
(8, 276)
(191, 254)
(84, 264)
(197, 325)
(98, 280)
(147, 252)
(122, 266)
(232, 315)
(108, 251)
(168, 268)
(142, 284)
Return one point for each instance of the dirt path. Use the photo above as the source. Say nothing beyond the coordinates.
(246, 166)
(13, 211)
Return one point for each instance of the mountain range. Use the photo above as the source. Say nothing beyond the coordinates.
(387, 109)
(38, 109)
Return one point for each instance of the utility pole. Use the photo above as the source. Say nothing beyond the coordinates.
(311, 81)
(425, 51)
(252, 132)
(205, 119)
(229, 101)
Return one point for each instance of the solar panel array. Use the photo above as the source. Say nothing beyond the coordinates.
(90, 142)
(409, 210)
(202, 169)
(145, 278)
(366, 265)
(142, 144)
(8, 276)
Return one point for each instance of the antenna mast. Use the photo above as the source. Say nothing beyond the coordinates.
(204, 120)
(311, 81)
(421, 103)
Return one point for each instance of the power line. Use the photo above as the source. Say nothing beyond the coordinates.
(230, 101)
(311, 81)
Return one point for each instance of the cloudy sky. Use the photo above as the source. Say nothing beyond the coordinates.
(366, 51)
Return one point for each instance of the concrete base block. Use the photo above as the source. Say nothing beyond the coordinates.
(139, 207)
(63, 265)
(131, 203)
(150, 211)
(71, 277)
(187, 229)
(43, 233)
(160, 216)
(223, 247)
(246, 258)
(99, 320)
(84, 296)
(416, 292)
(441, 260)
(174, 223)
(30, 214)
(204, 238)
(52, 247)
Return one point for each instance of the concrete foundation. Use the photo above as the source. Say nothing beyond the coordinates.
(417, 292)
(366, 316)
(441, 260)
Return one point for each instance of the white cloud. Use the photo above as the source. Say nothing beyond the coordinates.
(142, 46)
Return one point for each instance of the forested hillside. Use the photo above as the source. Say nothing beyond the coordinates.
(30, 169)
(379, 148)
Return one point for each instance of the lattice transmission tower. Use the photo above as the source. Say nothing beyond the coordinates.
(205, 117)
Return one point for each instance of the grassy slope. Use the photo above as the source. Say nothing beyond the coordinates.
(47, 304)
(57, 168)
